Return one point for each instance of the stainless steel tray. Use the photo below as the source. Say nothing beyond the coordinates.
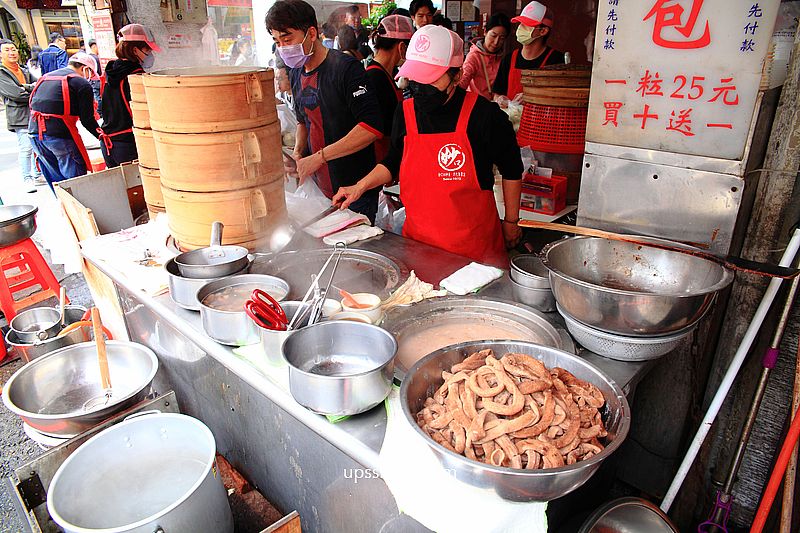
(533, 325)
(358, 271)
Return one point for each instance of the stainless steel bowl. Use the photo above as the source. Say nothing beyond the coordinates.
(235, 328)
(631, 290)
(541, 299)
(30, 351)
(60, 393)
(17, 223)
(37, 324)
(628, 515)
(272, 340)
(340, 367)
(425, 377)
(182, 290)
(529, 271)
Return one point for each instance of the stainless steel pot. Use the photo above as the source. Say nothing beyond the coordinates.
(529, 271)
(152, 473)
(234, 327)
(509, 483)
(541, 299)
(30, 351)
(215, 261)
(631, 290)
(57, 393)
(340, 367)
(17, 223)
(628, 515)
(37, 324)
(182, 290)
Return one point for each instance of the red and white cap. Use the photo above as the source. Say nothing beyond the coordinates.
(137, 32)
(85, 59)
(535, 14)
(396, 27)
(431, 52)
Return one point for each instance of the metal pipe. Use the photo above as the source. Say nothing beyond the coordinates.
(730, 375)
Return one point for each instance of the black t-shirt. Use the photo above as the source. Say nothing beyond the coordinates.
(331, 100)
(48, 99)
(500, 85)
(386, 92)
(491, 137)
(116, 99)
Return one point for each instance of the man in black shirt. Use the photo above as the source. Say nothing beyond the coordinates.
(535, 25)
(444, 144)
(58, 100)
(337, 112)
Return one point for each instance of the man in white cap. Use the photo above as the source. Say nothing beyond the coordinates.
(535, 25)
(445, 142)
(58, 100)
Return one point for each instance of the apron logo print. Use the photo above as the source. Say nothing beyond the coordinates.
(422, 44)
(451, 157)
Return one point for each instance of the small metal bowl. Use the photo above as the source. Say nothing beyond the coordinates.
(36, 325)
(529, 271)
(541, 299)
(340, 367)
(520, 485)
(628, 515)
(17, 223)
(30, 351)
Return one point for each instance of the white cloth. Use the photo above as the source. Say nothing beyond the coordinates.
(351, 235)
(427, 492)
(471, 278)
(336, 221)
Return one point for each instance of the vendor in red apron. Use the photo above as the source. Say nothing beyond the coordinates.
(134, 53)
(445, 142)
(58, 100)
(535, 26)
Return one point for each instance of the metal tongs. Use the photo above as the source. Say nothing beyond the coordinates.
(314, 299)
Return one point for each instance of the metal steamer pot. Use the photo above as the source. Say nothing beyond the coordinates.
(30, 351)
(150, 473)
(60, 393)
(235, 328)
(214, 261)
(183, 290)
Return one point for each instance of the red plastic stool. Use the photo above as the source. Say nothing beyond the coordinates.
(23, 267)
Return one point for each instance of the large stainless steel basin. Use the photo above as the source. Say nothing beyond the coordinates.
(629, 289)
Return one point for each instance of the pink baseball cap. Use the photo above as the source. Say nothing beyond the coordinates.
(431, 52)
(85, 59)
(137, 32)
(535, 14)
(396, 27)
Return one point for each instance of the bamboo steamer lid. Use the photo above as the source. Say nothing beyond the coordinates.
(250, 215)
(210, 99)
(151, 183)
(220, 161)
(146, 147)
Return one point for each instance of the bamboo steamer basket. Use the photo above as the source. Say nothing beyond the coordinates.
(249, 214)
(141, 115)
(137, 88)
(146, 147)
(210, 99)
(220, 161)
(151, 183)
(154, 210)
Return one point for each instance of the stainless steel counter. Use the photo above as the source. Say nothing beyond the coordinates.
(328, 472)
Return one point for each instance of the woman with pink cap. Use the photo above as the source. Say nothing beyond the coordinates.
(134, 55)
(445, 142)
(535, 26)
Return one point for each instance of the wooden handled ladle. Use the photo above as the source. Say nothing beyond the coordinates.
(102, 354)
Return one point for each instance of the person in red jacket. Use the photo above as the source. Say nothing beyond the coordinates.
(483, 59)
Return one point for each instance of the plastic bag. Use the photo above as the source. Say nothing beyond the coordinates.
(305, 202)
(391, 215)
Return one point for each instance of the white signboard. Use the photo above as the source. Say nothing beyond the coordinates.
(104, 35)
(678, 75)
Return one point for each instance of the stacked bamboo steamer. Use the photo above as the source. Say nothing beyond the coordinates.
(148, 160)
(562, 86)
(218, 143)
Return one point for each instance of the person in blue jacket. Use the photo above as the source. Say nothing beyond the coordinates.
(54, 57)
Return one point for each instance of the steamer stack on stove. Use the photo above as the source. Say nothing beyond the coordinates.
(148, 160)
(216, 142)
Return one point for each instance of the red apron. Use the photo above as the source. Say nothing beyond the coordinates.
(382, 144)
(106, 137)
(70, 121)
(515, 74)
(445, 205)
